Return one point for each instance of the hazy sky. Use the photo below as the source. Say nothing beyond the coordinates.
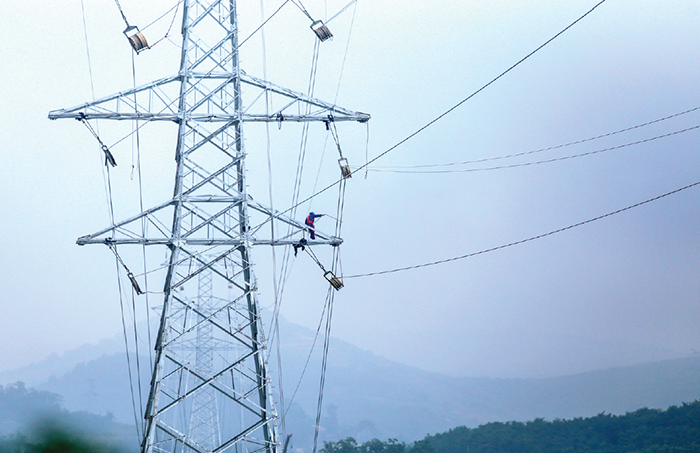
(618, 291)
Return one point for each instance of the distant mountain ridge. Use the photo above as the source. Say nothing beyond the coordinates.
(368, 396)
(58, 365)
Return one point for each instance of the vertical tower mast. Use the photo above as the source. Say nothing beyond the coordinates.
(213, 228)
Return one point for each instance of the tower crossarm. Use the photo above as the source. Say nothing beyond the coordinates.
(154, 103)
(123, 232)
(334, 241)
(325, 109)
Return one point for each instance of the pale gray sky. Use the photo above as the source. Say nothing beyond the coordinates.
(621, 290)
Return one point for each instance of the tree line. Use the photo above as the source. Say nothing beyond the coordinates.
(674, 430)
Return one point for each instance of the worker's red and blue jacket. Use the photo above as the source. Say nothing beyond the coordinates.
(311, 218)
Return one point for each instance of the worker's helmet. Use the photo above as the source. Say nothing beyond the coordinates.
(311, 214)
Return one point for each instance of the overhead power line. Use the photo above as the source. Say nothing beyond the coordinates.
(540, 150)
(545, 161)
(453, 108)
(522, 241)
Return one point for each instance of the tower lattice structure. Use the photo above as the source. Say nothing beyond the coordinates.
(220, 399)
(204, 418)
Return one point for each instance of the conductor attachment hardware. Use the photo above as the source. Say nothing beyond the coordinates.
(136, 38)
(134, 283)
(109, 158)
(321, 30)
(342, 162)
(344, 168)
(333, 280)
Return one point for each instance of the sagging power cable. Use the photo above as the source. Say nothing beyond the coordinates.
(530, 239)
(540, 150)
(545, 161)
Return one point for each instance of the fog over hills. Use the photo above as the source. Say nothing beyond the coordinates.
(368, 396)
(57, 365)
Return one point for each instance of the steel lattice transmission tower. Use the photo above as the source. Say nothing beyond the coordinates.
(221, 399)
(204, 418)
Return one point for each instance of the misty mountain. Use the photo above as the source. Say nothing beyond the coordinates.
(58, 365)
(367, 396)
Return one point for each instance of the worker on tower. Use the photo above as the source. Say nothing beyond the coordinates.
(310, 219)
(300, 245)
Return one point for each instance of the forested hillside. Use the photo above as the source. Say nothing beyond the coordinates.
(38, 414)
(674, 430)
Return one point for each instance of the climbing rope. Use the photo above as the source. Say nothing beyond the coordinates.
(347, 45)
(274, 334)
(286, 267)
(334, 284)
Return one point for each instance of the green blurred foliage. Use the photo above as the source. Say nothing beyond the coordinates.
(53, 438)
(34, 421)
(350, 445)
